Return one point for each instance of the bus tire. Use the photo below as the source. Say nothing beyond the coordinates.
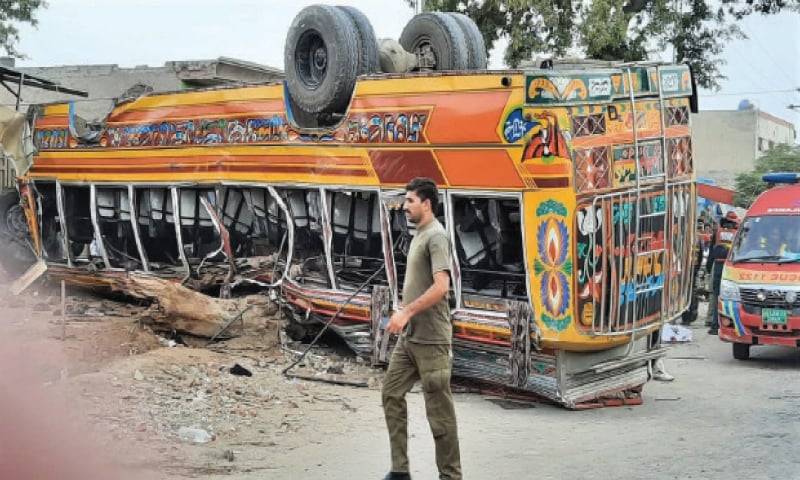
(476, 48)
(741, 351)
(436, 35)
(321, 59)
(368, 62)
(15, 254)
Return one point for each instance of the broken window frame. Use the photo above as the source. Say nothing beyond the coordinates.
(137, 215)
(135, 223)
(451, 195)
(125, 191)
(98, 234)
(391, 196)
(275, 190)
(72, 260)
(37, 186)
(271, 189)
(174, 193)
(101, 244)
(328, 225)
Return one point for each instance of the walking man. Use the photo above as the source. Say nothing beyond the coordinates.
(423, 351)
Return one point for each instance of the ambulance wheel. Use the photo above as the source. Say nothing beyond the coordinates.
(15, 254)
(437, 41)
(368, 62)
(476, 48)
(321, 59)
(741, 351)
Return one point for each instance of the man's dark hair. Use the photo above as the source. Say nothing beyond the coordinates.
(425, 188)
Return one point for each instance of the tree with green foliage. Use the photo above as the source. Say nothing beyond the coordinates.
(781, 158)
(12, 13)
(696, 31)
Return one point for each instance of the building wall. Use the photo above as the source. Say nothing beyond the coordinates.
(102, 82)
(773, 131)
(727, 142)
(723, 144)
(106, 82)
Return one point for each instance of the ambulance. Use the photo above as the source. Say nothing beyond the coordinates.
(759, 301)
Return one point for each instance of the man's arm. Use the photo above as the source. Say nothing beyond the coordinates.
(436, 292)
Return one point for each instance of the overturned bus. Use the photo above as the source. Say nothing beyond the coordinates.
(567, 193)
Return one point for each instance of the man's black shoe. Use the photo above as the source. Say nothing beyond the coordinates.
(713, 331)
(397, 476)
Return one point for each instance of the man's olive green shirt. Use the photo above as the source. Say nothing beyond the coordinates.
(428, 254)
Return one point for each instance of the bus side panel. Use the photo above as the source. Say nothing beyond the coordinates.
(549, 236)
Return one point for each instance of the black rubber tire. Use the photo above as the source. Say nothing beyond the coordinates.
(741, 351)
(321, 59)
(368, 61)
(444, 36)
(476, 47)
(15, 254)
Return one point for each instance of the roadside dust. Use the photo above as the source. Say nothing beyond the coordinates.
(156, 408)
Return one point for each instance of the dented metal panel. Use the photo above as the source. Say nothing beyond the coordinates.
(176, 221)
(98, 236)
(62, 220)
(135, 228)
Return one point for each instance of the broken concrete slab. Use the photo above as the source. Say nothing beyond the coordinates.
(31, 275)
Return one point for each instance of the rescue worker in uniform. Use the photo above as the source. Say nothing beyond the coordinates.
(423, 351)
(716, 261)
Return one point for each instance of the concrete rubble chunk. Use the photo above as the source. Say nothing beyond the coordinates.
(194, 435)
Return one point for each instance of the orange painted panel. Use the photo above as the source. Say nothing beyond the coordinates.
(457, 117)
(555, 169)
(188, 111)
(56, 121)
(199, 159)
(479, 168)
(400, 166)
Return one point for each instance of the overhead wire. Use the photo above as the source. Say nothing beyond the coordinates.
(778, 65)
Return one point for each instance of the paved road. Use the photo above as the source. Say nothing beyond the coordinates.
(720, 418)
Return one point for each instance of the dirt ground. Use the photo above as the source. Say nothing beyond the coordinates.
(112, 399)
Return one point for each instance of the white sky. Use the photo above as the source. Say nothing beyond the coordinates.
(765, 68)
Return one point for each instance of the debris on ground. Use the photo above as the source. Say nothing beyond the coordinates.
(194, 435)
(141, 381)
(675, 334)
(237, 369)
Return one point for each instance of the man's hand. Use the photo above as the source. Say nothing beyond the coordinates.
(398, 321)
(436, 292)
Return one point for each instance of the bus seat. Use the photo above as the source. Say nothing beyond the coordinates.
(472, 245)
(340, 219)
(297, 205)
(105, 203)
(361, 220)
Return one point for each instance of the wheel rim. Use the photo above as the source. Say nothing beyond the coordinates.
(426, 54)
(311, 59)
